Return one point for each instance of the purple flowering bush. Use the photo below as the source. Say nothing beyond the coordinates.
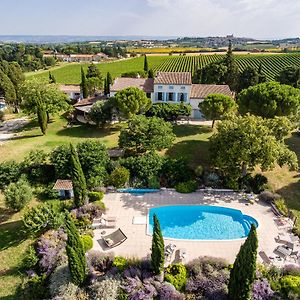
(208, 278)
(100, 264)
(167, 291)
(51, 250)
(262, 290)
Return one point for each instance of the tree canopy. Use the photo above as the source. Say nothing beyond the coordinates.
(215, 106)
(248, 77)
(213, 73)
(143, 134)
(290, 76)
(132, 101)
(244, 142)
(270, 99)
(101, 113)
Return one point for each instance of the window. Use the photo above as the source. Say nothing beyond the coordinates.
(183, 87)
(148, 95)
(170, 97)
(171, 87)
(160, 96)
(160, 87)
(182, 97)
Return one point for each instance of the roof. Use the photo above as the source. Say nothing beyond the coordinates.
(201, 91)
(63, 184)
(120, 83)
(68, 88)
(85, 108)
(184, 78)
(115, 152)
(89, 101)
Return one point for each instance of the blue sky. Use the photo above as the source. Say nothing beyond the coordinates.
(251, 18)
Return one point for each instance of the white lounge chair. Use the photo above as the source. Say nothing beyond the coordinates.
(283, 251)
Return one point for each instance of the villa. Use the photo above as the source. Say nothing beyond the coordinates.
(172, 87)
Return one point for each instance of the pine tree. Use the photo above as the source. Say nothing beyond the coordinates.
(261, 76)
(75, 253)
(83, 85)
(42, 116)
(146, 67)
(232, 76)
(78, 179)
(242, 274)
(158, 248)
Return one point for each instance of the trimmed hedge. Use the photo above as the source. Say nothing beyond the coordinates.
(95, 196)
(87, 242)
(177, 275)
(186, 187)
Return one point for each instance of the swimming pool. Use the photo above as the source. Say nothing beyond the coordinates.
(201, 222)
(137, 191)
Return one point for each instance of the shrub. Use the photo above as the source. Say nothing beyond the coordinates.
(259, 183)
(168, 291)
(120, 262)
(186, 187)
(59, 278)
(99, 262)
(18, 194)
(291, 270)
(105, 289)
(281, 206)
(87, 242)
(261, 290)
(176, 274)
(153, 183)
(290, 285)
(199, 171)
(119, 177)
(42, 218)
(51, 250)
(10, 171)
(35, 288)
(268, 196)
(95, 196)
(30, 259)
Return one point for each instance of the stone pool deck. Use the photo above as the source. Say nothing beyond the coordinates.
(138, 244)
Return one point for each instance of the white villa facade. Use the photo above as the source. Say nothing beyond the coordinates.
(172, 87)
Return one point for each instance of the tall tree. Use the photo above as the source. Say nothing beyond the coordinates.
(37, 90)
(213, 73)
(132, 101)
(42, 116)
(270, 99)
(158, 248)
(75, 253)
(215, 106)
(290, 76)
(232, 69)
(83, 84)
(101, 112)
(78, 179)
(146, 66)
(248, 77)
(146, 134)
(151, 73)
(244, 142)
(243, 272)
(108, 82)
(261, 76)
(94, 79)
(7, 89)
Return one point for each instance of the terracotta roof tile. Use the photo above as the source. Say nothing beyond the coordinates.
(200, 91)
(66, 88)
(63, 184)
(184, 78)
(120, 83)
(89, 101)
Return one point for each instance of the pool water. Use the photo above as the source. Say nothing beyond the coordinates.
(201, 222)
(137, 191)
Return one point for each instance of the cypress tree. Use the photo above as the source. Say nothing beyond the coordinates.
(146, 67)
(78, 179)
(83, 85)
(42, 117)
(232, 76)
(75, 252)
(242, 274)
(105, 87)
(108, 82)
(150, 73)
(158, 248)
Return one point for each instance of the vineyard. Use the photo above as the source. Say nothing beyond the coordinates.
(272, 64)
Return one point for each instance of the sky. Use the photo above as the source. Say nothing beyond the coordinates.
(243, 18)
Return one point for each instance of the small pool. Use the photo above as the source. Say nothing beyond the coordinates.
(201, 222)
(137, 191)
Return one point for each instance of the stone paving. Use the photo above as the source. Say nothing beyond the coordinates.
(138, 244)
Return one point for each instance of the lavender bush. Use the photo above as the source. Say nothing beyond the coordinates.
(100, 264)
(291, 270)
(51, 250)
(104, 289)
(167, 291)
(262, 290)
(89, 211)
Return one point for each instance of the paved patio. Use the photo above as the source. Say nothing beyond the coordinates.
(138, 244)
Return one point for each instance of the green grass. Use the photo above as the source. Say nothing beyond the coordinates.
(272, 65)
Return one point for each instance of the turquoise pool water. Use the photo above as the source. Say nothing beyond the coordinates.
(200, 222)
(137, 191)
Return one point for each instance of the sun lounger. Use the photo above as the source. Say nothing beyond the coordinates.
(265, 257)
(283, 252)
(114, 239)
(104, 222)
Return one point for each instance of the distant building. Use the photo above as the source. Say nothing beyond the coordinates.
(64, 188)
(172, 87)
(77, 57)
(71, 90)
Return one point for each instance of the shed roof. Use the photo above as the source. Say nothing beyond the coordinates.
(63, 184)
(200, 91)
(144, 84)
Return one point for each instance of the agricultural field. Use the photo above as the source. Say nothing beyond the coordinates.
(272, 64)
(168, 50)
